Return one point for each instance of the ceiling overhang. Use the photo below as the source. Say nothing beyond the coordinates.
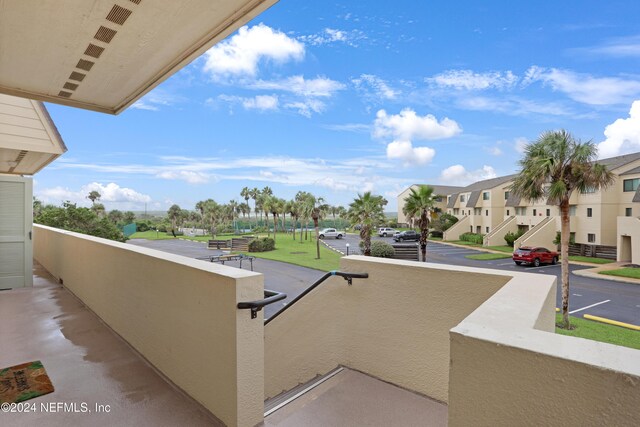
(28, 138)
(103, 55)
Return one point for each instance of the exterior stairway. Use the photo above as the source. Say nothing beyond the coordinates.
(542, 234)
(345, 397)
(496, 236)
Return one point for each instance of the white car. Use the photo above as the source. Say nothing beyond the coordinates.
(331, 232)
(385, 231)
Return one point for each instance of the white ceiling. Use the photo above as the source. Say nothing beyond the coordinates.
(103, 55)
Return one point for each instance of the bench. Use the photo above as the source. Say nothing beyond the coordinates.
(219, 244)
(224, 258)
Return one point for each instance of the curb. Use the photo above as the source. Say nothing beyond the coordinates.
(332, 248)
(593, 275)
(611, 322)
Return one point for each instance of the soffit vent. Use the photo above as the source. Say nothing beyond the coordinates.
(135, 1)
(118, 15)
(70, 86)
(18, 160)
(64, 94)
(105, 34)
(93, 50)
(77, 76)
(85, 65)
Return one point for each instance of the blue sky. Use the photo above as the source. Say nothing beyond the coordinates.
(340, 98)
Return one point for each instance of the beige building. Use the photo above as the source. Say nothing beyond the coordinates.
(162, 339)
(440, 197)
(601, 221)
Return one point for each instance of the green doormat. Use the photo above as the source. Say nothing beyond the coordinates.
(23, 382)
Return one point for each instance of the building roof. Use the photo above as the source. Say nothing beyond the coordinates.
(103, 55)
(29, 139)
(513, 200)
(473, 199)
(438, 190)
(452, 200)
(488, 183)
(619, 161)
(633, 171)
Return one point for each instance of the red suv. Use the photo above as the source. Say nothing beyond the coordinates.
(534, 256)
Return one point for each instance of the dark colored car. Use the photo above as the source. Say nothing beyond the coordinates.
(534, 256)
(407, 236)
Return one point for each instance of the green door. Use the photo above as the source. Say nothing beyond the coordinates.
(16, 250)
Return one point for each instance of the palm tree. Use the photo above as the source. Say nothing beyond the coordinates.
(174, 213)
(115, 216)
(93, 196)
(419, 204)
(304, 209)
(270, 206)
(255, 195)
(293, 208)
(367, 210)
(553, 167)
(318, 211)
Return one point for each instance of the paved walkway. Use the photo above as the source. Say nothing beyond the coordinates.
(87, 363)
(278, 276)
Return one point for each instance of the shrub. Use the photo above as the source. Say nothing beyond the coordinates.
(472, 238)
(511, 238)
(263, 244)
(382, 249)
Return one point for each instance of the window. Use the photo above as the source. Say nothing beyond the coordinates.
(507, 194)
(588, 190)
(630, 184)
(478, 229)
(521, 211)
(438, 199)
(486, 212)
(591, 238)
(477, 211)
(535, 212)
(572, 210)
(487, 229)
(485, 195)
(462, 197)
(589, 212)
(448, 198)
(456, 211)
(471, 229)
(548, 212)
(628, 212)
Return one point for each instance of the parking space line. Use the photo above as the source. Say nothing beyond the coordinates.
(507, 263)
(542, 266)
(589, 306)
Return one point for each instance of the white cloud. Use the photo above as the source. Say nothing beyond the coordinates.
(410, 155)
(468, 80)
(584, 87)
(458, 175)
(189, 176)
(332, 35)
(112, 196)
(408, 126)
(625, 47)
(306, 107)
(241, 54)
(318, 87)
(520, 144)
(514, 106)
(374, 86)
(494, 151)
(623, 135)
(155, 99)
(258, 102)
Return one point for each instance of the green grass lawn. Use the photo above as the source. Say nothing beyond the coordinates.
(633, 273)
(507, 249)
(151, 235)
(487, 256)
(465, 243)
(601, 332)
(303, 254)
(589, 259)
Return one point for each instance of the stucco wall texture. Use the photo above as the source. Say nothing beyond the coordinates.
(394, 325)
(179, 313)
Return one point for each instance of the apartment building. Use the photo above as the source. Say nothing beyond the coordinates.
(601, 220)
(440, 197)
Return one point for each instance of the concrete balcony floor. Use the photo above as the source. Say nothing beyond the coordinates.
(351, 398)
(87, 362)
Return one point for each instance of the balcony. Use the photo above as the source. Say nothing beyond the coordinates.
(414, 341)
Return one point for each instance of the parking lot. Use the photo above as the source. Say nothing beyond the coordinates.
(598, 297)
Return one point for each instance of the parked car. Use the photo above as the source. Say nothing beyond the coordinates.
(407, 236)
(534, 256)
(331, 232)
(386, 231)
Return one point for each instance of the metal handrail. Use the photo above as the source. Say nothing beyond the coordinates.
(347, 276)
(256, 306)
